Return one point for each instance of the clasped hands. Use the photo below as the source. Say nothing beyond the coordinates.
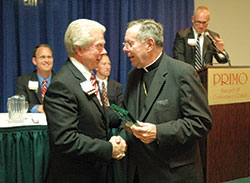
(146, 132)
(119, 147)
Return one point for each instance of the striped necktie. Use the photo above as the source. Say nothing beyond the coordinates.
(104, 94)
(95, 85)
(44, 88)
(197, 55)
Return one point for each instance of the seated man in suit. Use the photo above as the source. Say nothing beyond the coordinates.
(185, 44)
(33, 85)
(113, 88)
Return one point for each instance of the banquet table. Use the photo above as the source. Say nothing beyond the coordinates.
(24, 149)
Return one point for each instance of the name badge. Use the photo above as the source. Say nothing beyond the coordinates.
(87, 87)
(33, 85)
(191, 42)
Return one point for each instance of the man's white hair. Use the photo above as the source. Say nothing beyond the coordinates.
(79, 33)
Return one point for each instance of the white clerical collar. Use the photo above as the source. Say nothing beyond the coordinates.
(145, 68)
(84, 70)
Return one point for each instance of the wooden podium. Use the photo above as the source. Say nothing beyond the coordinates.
(225, 151)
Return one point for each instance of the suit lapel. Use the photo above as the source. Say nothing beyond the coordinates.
(38, 93)
(205, 47)
(111, 90)
(109, 86)
(191, 36)
(157, 83)
(79, 76)
(138, 91)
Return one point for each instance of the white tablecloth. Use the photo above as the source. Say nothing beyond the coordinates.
(30, 119)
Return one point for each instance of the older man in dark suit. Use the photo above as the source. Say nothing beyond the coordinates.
(170, 104)
(33, 85)
(76, 115)
(185, 44)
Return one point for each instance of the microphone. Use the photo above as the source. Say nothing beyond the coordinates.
(212, 41)
(210, 37)
(214, 45)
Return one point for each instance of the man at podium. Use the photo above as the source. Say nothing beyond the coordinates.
(197, 45)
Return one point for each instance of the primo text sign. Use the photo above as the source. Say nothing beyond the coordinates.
(228, 85)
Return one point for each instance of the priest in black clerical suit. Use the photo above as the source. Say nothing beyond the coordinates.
(170, 103)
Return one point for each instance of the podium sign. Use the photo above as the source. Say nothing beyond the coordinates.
(225, 150)
(228, 85)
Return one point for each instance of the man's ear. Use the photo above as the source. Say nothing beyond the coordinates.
(34, 61)
(150, 44)
(192, 19)
(79, 50)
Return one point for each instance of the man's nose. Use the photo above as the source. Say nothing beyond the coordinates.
(104, 51)
(125, 49)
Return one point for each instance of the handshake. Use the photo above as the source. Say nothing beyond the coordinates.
(119, 147)
(146, 132)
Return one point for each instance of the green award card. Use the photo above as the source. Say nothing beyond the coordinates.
(127, 119)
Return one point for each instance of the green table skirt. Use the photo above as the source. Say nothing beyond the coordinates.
(24, 154)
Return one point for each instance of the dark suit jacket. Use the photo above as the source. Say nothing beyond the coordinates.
(115, 92)
(177, 104)
(34, 97)
(115, 96)
(183, 51)
(79, 150)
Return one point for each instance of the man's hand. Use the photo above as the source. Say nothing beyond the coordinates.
(146, 132)
(119, 147)
(219, 43)
(40, 109)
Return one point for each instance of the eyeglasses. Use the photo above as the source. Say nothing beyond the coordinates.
(127, 45)
(199, 22)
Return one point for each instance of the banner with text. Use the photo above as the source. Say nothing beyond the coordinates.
(228, 85)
